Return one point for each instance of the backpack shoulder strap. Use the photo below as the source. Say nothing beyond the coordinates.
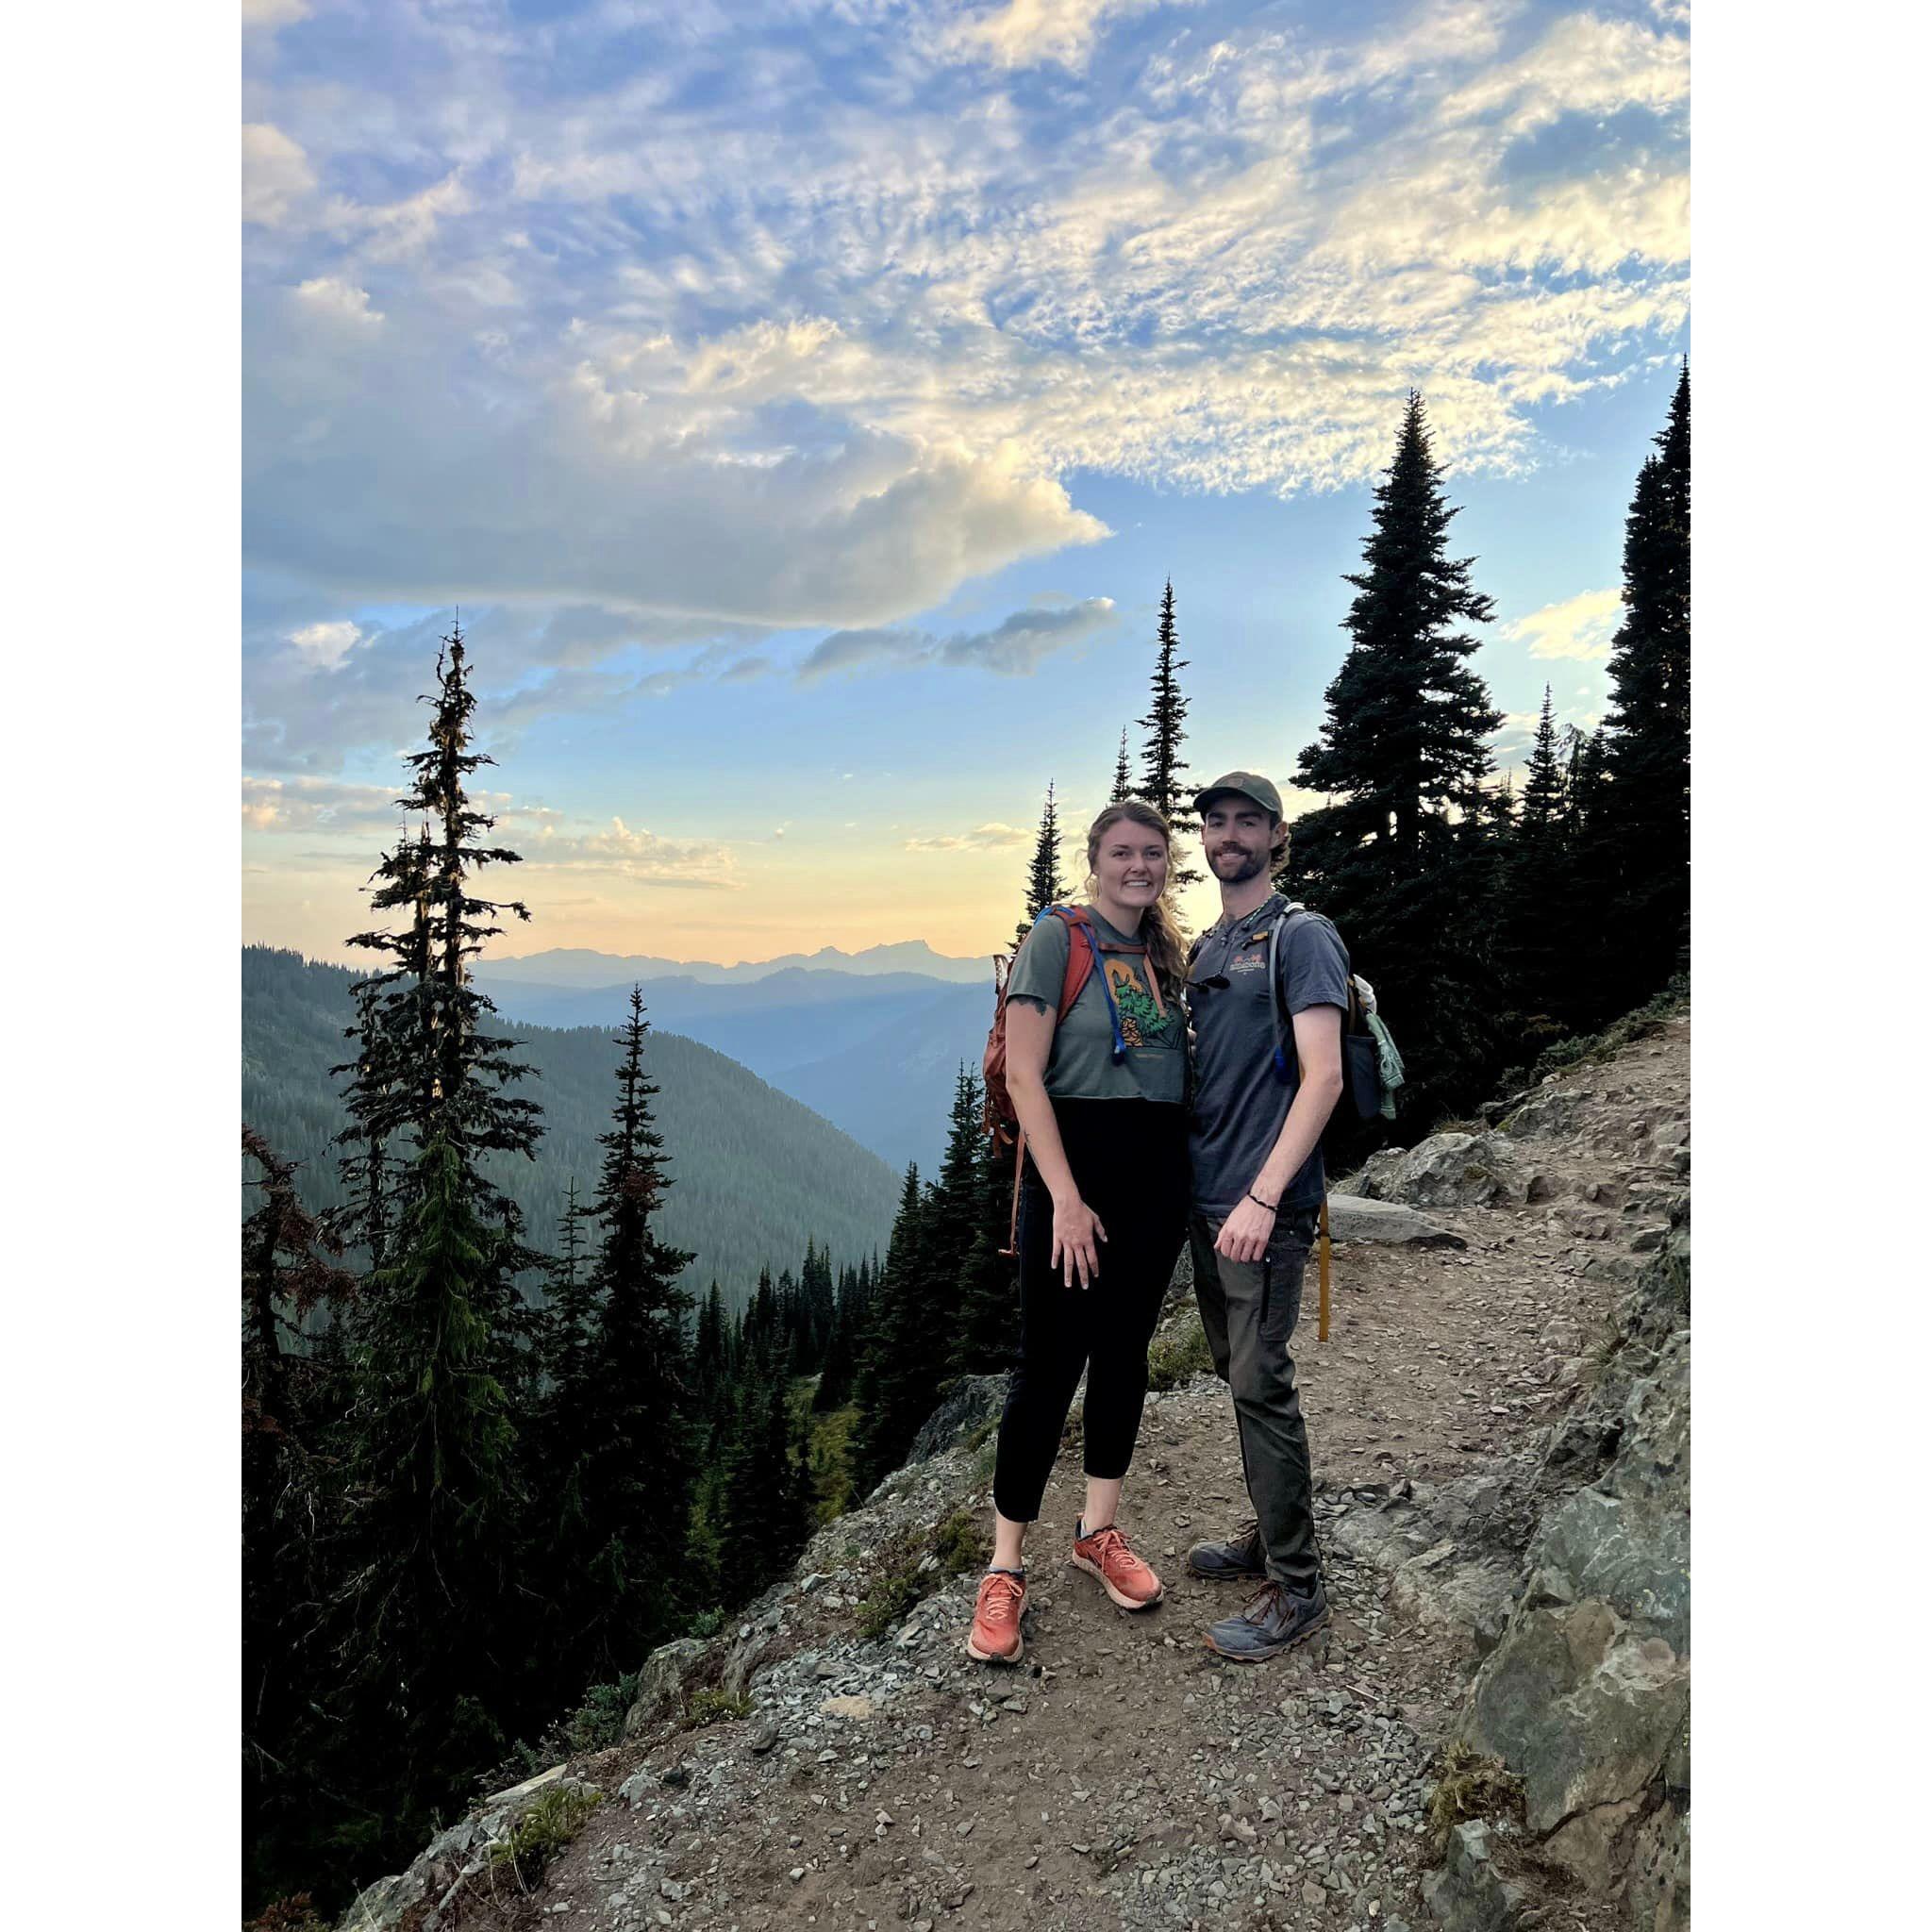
(1080, 952)
(1083, 951)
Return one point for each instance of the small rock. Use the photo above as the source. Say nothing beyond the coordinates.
(761, 1736)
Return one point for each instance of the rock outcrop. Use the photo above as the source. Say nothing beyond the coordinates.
(1586, 1695)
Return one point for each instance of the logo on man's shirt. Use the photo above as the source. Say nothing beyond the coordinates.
(1253, 961)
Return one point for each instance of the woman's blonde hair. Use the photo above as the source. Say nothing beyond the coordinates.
(1165, 952)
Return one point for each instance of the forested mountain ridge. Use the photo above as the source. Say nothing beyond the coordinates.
(754, 1173)
(875, 1054)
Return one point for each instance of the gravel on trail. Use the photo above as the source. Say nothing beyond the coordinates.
(1120, 1776)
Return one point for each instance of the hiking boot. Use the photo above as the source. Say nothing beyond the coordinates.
(1239, 1557)
(1275, 1621)
(995, 1637)
(1127, 1580)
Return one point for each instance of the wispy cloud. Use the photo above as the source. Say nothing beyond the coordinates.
(989, 838)
(1580, 626)
(1013, 647)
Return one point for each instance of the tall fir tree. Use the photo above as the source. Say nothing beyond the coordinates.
(433, 1012)
(899, 1374)
(1123, 775)
(1535, 912)
(1402, 755)
(1044, 884)
(290, 1506)
(626, 1511)
(985, 1339)
(1164, 782)
(433, 1641)
(1649, 722)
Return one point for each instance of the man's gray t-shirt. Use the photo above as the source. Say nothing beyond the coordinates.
(1239, 1100)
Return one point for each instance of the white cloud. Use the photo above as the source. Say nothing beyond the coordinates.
(319, 805)
(988, 838)
(272, 13)
(1580, 626)
(326, 645)
(338, 300)
(635, 853)
(275, 175)
(1025, 33)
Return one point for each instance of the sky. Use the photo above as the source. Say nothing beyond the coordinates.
(806, 401)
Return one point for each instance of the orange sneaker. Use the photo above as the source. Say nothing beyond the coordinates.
(1127, 1580)
(995, 1637)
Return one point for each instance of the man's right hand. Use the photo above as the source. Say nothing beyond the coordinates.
(1076, 1231)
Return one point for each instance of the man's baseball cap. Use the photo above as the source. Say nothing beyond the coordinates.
(1249, 784)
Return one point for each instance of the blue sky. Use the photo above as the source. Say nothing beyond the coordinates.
(806, 403)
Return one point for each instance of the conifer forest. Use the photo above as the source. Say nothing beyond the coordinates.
(493, 1453)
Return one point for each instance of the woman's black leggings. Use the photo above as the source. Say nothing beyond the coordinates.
(1130, 1161)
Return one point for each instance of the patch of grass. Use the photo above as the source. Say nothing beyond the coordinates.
(984, 1433)
(914, 1564)
(1471, 1786)
(831, 1461)
(1178, 1355)
(714, 1705)
(543, 1828)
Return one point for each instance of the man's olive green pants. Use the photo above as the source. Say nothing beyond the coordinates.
(1249, 1310)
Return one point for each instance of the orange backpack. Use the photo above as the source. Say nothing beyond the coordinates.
(1083, 947)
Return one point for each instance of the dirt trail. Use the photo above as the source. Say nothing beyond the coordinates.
(1120, 1777)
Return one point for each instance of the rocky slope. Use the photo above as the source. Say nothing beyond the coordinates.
(1498, 1421)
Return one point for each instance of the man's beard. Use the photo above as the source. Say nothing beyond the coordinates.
(1250, 865)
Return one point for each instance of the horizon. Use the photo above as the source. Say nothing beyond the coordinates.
(806, 419)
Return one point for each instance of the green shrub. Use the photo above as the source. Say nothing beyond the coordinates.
(714, 1706)
(542, 1829)
(1179, 1355)
(956, 1544)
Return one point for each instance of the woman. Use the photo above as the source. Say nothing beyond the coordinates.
(1103, 1206)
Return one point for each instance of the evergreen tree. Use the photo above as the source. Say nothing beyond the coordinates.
(1402, 755)
(1535, 923)
(1044, 885)
(434, 1510)
(1163, 771)
(1592, 976)
(1123, 775)
(987, 1339)
(900, 1372)
(366, 1168)
(1649, 723)
(288, 1505)
(625, 1523)
(433, 1012)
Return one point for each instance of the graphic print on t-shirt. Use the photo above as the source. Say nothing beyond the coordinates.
(1145, 1019)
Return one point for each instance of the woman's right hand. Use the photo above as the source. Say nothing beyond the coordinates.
(1076, 1231)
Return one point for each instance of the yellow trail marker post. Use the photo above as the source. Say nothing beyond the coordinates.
(1323, 1331)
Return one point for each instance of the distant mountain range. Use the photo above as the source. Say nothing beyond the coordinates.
(754, 1171)
(875, 1051)
(575, 966)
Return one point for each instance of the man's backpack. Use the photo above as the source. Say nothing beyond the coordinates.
(1354, 1128)
(1084, 948)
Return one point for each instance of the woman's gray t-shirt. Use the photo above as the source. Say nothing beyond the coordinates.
(1081, 1065)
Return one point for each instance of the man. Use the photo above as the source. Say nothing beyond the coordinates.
(1258, 1183)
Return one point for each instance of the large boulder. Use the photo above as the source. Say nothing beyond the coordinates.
(1356, 1217)
(1449, 1171)
(662, 1682)
(1587, 1696)
(972, 1401)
